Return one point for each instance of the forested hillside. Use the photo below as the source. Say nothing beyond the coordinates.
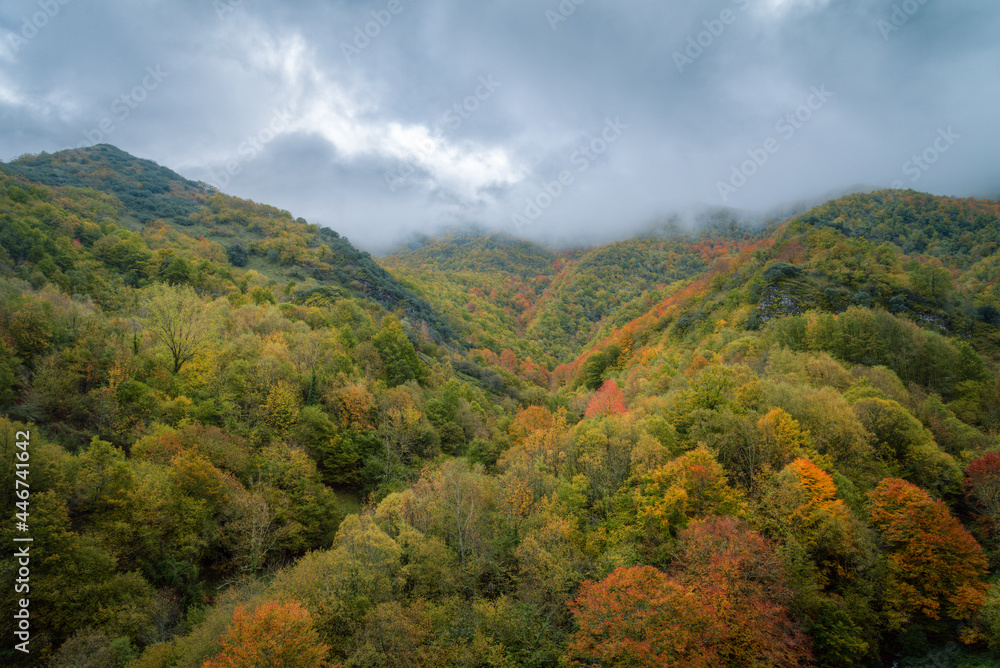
(93, 220)
(510, 293)
(770, 446)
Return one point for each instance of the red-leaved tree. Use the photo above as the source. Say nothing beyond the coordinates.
(982, 484)
(608, 400)
(723, 560)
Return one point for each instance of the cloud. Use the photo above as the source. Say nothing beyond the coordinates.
(780, 6)
(359, 124)
(403, 135)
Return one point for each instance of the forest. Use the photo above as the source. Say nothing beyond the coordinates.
(765, 443)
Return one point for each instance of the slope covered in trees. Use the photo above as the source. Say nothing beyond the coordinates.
(516, 295)
(91, 220)
(769, 448)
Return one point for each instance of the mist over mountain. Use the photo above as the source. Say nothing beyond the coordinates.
(384, 122)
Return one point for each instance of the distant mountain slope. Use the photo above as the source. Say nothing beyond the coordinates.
(962, 231)
(477, 252)
(97, 217)
(931, 260)
(513, 294)
(147, 190)
(604, 281)
(486, 284)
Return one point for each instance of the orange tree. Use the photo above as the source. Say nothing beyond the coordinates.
(274, 636)
(639, 616)
(936, 567)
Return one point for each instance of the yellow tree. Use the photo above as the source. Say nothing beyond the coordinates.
(281, 409)
(781, 438)
(693, 486)
(807, 507)
(397, 420)
(179, 320)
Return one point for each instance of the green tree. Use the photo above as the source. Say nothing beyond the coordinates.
(399, 358)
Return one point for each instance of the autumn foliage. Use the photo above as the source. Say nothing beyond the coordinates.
(456, 479)
(275, 635)
(982, 484)
(692, 486)
(724, 603)
(608, 400)
(738, 570)
(936, 567)
(639, 616)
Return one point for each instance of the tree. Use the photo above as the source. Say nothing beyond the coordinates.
(31, 329)
(690, 487)
(936, 567)
(637, 617)
(609, 400)
(8, 374)
(355, 405)
(530, 420)
(398, 355)
(275, 635)
(931, 279)
(281, 409)
(781, 439)
(252, 529)
(237, 255)
(722, 560)
(125, 251)
(93, 650)
(906, 446)
(458, 504)
(197, 477)
(339, 585)
(982, 484)
(597, 364)
(179, 320)
(177, 271)
(398, 422)
(806, 508)
(725, 602)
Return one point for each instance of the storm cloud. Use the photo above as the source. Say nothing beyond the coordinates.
(559, 119)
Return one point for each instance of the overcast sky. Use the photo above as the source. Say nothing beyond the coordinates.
(550, 120)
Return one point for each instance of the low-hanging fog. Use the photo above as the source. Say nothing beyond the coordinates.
(563, 121)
